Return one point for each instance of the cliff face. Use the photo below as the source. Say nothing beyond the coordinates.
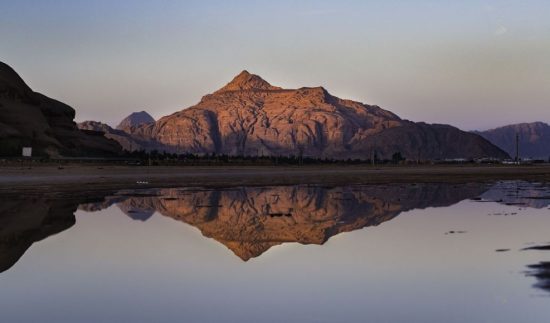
(31, 119)
(534, 139)
(249, 116)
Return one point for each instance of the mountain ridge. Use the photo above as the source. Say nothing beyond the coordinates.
(249, 116)
(534, 138)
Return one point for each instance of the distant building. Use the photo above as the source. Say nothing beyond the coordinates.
(27, 152)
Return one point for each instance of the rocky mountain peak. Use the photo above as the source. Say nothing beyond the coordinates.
(250, 117)
(135, 119)
(246, 81)
(11, 82)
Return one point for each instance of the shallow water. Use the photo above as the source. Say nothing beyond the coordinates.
(391, 253)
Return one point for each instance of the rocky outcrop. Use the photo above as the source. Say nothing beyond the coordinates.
(534, 139)
(249, 116)
(134, 120)
(31, 119)
(126, 140)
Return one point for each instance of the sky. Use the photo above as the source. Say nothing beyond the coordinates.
(475, 64)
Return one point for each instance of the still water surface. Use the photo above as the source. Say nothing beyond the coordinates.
(391, 253)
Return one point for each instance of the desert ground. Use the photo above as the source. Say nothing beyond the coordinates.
(88, 178)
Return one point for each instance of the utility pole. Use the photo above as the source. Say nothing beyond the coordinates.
(517, 147)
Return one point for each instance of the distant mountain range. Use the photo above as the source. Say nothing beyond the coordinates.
(127, 141)
(28, 118)
(534, 139)
(251, 117)
(248, 117)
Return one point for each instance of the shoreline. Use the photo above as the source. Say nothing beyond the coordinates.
(88, 178)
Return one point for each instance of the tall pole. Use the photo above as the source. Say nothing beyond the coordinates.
(517, 147)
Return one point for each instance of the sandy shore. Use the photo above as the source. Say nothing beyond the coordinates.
(17, 180)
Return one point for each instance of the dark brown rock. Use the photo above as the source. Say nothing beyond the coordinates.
(31, 119)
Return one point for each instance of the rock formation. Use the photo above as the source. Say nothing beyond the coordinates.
(126, 140)
(134, 120)
(28, 118)
(534, 139)
(249, 116)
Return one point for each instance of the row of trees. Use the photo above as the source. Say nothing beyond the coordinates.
(156, 157)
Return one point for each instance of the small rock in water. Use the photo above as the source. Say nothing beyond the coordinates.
(453, 232)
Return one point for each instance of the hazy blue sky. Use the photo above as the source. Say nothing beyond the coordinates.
(471, 63)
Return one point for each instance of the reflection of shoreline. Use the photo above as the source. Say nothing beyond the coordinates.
(519, 193)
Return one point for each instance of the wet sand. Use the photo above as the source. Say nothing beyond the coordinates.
(17, 180)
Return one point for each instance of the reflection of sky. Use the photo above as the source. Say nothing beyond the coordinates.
(109, 267)
(439, 61)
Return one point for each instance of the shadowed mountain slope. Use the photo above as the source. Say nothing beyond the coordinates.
(28, 118)
(134, 120)
(534, 139)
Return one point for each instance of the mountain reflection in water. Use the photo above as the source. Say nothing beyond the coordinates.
(247, 220)
(250, 220)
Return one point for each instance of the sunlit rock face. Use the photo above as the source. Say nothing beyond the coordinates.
(249, 221)
(249, 116)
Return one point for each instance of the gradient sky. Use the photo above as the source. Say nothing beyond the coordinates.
(473, 64)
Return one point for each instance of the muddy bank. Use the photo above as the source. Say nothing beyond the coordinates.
(18, 180)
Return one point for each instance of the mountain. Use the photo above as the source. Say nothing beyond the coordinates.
(28, 118)
(534, 139)
(249, 116)
(135, 119)
(125, 140)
